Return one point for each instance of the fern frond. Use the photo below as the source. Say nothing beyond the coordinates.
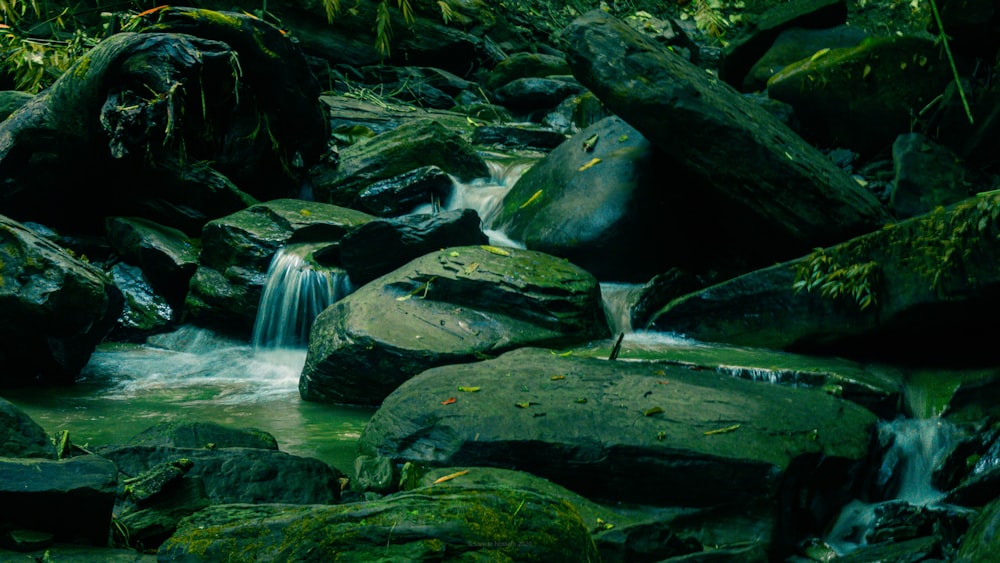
(383, 29)
(407, 9)
(332, 8)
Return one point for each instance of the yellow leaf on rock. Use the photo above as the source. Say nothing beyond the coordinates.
(722, 430)
(449, 477)
(589, 163)
(469, 389)
(495, 250)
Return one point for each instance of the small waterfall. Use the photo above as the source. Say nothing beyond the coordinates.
(295, 292)
(916, 448)
(617, 310)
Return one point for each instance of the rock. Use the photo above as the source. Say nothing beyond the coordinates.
(759, 176)
(620, 536)
(918, 288)
(401, 195)
(203, 435)
(742, 51)
(237, 250)
(22, 437)
(487, 523)
(382, 245)
(413, 145)
(588, 201)
(453, 305)
(54, 308)
(145, 311)
(167, 257)
(517, 137)
(154, 520)
(863, 97)
(71, 499)
(927, 175)
(525, 65)
(622, 430)
(234, 475)
(980, 543)
(525, 94)
(795, 44)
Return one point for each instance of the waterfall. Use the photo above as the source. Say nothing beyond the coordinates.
(295, 292)
(916, 447)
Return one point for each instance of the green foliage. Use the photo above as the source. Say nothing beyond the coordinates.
(33, 60)
(383, 19)
(822, 272)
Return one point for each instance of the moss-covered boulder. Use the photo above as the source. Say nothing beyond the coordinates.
(643, 432)
(756, 175)
(487, 523)
(20, 436)
(456, 305)
(921, 288)
(54, 307)
(863, 97)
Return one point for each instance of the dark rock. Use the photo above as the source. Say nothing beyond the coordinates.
(927, 176)
(912, 290)
(401, 194)
(615, 430)
(750, 45)
(764, 179)
(981, 541)
(234, 475)
(517, 137)
(523, 94)
(795, 44)
(71, 499)
(453, 305)
(145, 311)
(22, 437)
(488, 523)
(863, 97)
(54, 308)
(382, 245)
(525, 65)
(154, 520)
(167, 257)
(203, 435)
(413, 145)
(375, 474)
(11, 101)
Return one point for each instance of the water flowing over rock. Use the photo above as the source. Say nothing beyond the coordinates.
(54, 308)
(454, 305)
(763, 177)
(237, 251)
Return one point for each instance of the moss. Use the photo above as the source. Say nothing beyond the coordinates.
(81, 68)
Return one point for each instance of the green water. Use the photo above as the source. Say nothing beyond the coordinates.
(194, 375)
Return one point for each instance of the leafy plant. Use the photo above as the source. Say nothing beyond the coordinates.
(822, 272)
(383, 19)
(33, 61)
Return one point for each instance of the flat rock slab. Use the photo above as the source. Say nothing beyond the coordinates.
(632, 431)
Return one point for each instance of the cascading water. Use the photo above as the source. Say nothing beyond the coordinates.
(295, 292)
(916, 448)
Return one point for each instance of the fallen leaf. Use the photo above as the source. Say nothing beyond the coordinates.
(450, 476)
(469, 389)
(663, 382)
(590, 143)
(469, 268)
(524, 404)
(531, 199)
(589, 163)
(449, 401)
(580, 400)
(495, 250)
(722, 430)
(557, 377)
(652, 410)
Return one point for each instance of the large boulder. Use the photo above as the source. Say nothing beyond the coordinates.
(759, 176)
(450, 306)
(921, 288)
(70, 499)
(643, 432)
(167, 256)
(20, 436)
(439, 524)
(592, 197)
(226, 288)
(54, 308)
